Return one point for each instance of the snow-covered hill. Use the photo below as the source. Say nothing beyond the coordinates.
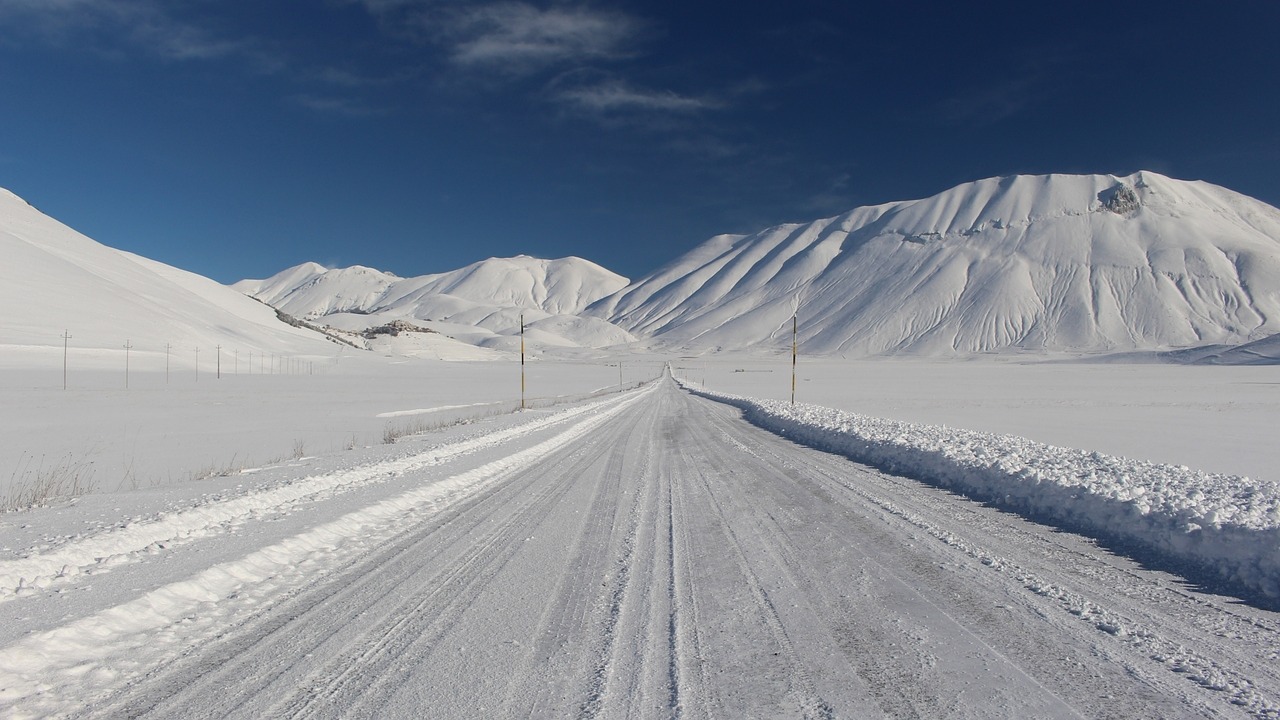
(53, 279)
(1088, 263)
(480, 303)
(1259, 352)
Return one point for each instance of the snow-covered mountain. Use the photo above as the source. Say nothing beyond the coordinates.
(1088, 263)
(480, 303)
(53, 279)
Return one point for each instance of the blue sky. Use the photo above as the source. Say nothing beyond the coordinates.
(235, 139)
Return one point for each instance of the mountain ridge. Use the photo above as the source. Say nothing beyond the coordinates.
(1084, 264)
(482, 303)
(65, 281)
(1072, 263)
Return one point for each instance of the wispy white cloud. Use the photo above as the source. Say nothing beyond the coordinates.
(520, 37)
(116, 25)
(510, 37)
(617, 96)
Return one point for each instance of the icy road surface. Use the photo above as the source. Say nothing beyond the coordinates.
(651, 555)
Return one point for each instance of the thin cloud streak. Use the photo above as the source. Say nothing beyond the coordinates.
(509, 37)
(618, 96)
(145, 24)
(519, 37)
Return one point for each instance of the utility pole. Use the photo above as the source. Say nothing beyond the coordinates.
(793, 358)
(522, 361)
(66, 335)
(219, 365)
(127, 347)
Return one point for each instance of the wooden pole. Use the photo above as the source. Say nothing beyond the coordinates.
(522, 361)
(66, 335)
(794, 348)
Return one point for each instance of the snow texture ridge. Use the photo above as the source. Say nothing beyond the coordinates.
(1086, 263)
(1225, 524)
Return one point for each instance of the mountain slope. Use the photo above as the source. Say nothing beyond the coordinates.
(61, 280)
(1087, 263)
(481, 303)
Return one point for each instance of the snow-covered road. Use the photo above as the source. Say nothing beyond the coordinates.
(649, 555)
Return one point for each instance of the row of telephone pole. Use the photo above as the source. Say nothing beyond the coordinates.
(278, 364)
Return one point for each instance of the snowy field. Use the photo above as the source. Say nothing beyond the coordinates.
(105, 438)
(1215, 419)
(1210, 418)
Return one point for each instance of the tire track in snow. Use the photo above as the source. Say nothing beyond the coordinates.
(554, 668)
(804, 693)
(601, 655)
(434, 560)
(349, 684)
(1099, 612)
(690, 681)
(568, 474)
(888, 676)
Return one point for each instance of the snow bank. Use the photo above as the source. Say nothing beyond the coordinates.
(1227, 524)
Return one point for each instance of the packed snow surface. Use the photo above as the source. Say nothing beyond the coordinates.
(1092, 263)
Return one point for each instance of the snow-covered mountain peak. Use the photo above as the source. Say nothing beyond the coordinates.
(483, 300)
(1085, 263)
(10, 196)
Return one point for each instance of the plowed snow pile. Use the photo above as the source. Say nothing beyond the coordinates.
(1224, 523)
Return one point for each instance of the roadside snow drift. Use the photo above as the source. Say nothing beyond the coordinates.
(1227, 524)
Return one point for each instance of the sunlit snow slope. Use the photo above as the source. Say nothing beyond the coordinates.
(1090, 263)
(53, 279)
(480, 303)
